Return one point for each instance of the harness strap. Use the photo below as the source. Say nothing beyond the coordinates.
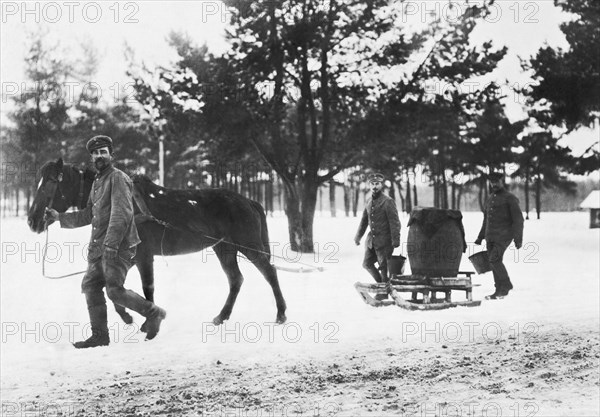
(145, 214)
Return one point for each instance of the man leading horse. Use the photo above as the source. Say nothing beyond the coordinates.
(112, 245)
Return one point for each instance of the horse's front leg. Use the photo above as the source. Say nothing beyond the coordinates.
(145, 265)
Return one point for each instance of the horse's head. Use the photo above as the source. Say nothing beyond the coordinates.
(57, 189)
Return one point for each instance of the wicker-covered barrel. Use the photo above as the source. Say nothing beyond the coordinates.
(436, 242)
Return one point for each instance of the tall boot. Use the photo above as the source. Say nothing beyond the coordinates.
(374, 273)
(98, 320)
(378, 278)
(133, 301)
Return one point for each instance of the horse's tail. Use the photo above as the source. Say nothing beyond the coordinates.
(264, 231)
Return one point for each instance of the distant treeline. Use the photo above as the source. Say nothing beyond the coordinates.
(270, 195)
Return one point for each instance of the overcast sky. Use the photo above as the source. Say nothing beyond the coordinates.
(523, 26)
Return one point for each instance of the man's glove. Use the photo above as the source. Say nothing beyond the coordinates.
(110, 253)
(396, 244)
(478, 241)
(50, 214)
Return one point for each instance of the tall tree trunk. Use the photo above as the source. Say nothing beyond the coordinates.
(17, 201)
(392, 192)
(243, 182)
(459, 196)
(408, 207)
(300, 211)
(527, 179)
(436, 192)
(356, 196)
(320, 199)
(538, 193)
(259, 191)
(309, 202)
(416, 200)
(269, 199)
(332, 207)
(480, 197)
(281, 193)
(255, 187)
(444, 190)
(401, 195)
(453, 188)
(292, 211)
(347, 198)
(28, 197)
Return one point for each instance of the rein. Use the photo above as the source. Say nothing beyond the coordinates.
(147, 216)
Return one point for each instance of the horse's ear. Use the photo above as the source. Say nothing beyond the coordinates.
(59, 164)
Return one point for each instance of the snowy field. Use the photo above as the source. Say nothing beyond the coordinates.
(534, 353)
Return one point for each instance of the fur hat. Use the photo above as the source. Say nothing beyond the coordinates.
(98, 142)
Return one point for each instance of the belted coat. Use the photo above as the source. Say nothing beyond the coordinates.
(381, 215)
(502, 218)
(110, 211)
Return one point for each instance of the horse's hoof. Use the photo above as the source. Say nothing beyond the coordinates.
(126, 317)
(217, 321)
(144, 328)
(281, 318)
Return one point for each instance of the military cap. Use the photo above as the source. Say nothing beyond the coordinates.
(496, 176)
(376, 177)
(98, 142)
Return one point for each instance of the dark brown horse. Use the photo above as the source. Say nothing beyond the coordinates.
(173, 222)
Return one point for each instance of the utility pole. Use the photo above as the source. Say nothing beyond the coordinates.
(161, 160)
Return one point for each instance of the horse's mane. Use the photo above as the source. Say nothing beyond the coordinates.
(149, 186)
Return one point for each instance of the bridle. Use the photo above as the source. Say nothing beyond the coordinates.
(77, 203)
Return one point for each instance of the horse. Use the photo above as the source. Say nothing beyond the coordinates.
(172, 222)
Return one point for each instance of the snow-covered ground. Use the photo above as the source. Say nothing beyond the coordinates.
(534, 353)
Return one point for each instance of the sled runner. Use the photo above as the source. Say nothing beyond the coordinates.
(425, 292)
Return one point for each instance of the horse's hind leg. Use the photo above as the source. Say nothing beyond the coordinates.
(228, 258)
(262, 263)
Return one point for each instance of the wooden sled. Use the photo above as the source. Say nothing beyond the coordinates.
(428, 287)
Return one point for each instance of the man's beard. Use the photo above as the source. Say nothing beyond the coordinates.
(101, 163)
(376, 192)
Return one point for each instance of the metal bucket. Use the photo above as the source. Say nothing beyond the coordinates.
(481, 262)
(396, 265)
